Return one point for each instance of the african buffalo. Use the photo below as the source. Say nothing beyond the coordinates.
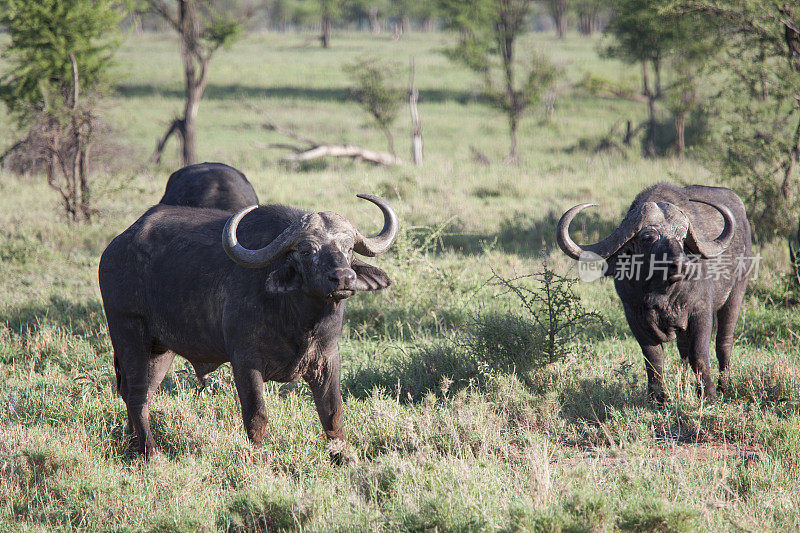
(680, 257)
(212, 185)
(178, 281)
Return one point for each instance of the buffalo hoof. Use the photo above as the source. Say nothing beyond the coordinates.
(708, 394)
(343, 459)
(656, 397)
(134, 451)
(340, 453)
(723, 384)
(708, 399)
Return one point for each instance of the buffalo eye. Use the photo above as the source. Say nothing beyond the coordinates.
(650, 236)
(306, 250)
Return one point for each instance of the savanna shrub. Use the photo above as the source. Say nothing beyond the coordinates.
(536, 326)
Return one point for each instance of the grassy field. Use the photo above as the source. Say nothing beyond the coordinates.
(446, 440)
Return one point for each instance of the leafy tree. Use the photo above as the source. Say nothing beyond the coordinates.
(378, 90)
(423, 11)
(59, 60)
(298, 12)
(558, 11)
(202, 31)
(589, 12)
(760, 104)
(644, 32)
(375, 10)
(488, 30)
(330, 10)
(641, 35)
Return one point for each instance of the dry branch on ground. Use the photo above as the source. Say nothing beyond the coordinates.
(312, 149)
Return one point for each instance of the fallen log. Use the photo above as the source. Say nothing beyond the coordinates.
(342, 150)
(315, 149)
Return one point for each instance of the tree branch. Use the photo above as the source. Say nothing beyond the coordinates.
(161, 8)
(176, 125)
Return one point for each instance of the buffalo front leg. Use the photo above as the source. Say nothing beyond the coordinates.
(727, 317)
(325, 384)
(698, 336)
(250, 387)
(654, 365)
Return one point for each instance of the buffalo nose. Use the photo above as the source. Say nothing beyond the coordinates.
(344, 278)
(678, 270)
(678, 266)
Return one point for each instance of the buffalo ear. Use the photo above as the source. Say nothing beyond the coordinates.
(369, 278)
(283, 279)
(612, 266)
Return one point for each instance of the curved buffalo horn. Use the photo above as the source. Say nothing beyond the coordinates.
(255, 258)
(708, 249)
(605, 248)
(372, 246)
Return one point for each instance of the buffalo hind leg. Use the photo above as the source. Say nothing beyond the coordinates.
(132, 362)
(325, 384)
(727, 317)
(654, 365)
(250, 387)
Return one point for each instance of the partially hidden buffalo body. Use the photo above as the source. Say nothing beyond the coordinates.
(264, 289)
(212, 185)
(681, 260)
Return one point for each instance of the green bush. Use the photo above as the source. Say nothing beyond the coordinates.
(538, 326)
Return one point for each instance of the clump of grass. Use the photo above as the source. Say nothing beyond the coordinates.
(655, 515)
(265, 510)
(497, 190)
(400, 188)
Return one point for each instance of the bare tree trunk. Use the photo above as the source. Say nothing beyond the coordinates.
(76, 132)
(389, 139)
(651, 107)
(188, 128)
(584, 24)
(512, 130)
(79, 182)
(558, 10)
(587, 19)
(514, 108)
(195, 81)
(794, 156)
(195, 68)
(416, 125)
(374, 23)
(680, 128)
(326, 31)
(86, 196)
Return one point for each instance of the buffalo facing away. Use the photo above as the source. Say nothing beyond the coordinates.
(213, 185)
(679, 258)
(178, 281)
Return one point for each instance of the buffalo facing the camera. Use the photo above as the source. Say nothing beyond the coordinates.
(680, 258)
(264, 289)
(213, 185)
